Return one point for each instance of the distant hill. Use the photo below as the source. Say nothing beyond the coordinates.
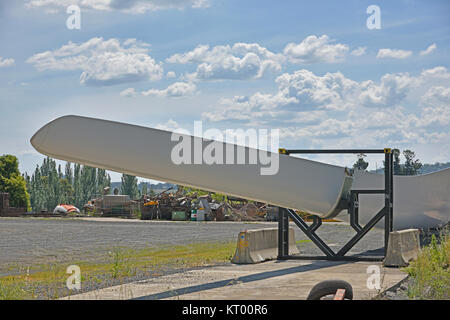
(426, 168)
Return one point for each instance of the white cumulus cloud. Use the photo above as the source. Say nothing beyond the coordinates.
(102, 62)
(297, 92)
(130, 92)
(393, 53)
(359, 51)
(240, 61)
(436, 110)
(315, 49)
(389, 91)
(170, 125)
(428, 50)
(171, 74)
(333, 106)
(6, 62)
(177, 89)
(437, 96)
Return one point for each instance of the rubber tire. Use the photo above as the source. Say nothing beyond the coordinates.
(328, 287)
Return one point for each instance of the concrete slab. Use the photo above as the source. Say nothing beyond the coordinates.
(291, 279)
(403, 247)
(255, 246)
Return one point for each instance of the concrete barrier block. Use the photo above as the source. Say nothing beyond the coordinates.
(259, 245)
(403, 246)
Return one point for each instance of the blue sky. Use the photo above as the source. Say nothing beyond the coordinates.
(310, 68)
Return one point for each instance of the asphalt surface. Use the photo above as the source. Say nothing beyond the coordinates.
(43, 240)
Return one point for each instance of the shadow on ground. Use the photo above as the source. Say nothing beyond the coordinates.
(245, 279)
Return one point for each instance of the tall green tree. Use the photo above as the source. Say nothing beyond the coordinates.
(89, 183)
(66, 191)
(12, 182)
(27, 182)
(50, 186)
(144, 188)
(412, 165)
(68, 173)
(77, 186)
(396, 162)
(47, 192)
(129, 186)
(36, 192)
(360, 164)
(103, 180)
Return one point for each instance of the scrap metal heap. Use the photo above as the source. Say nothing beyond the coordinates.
(180, 205)
(112, 206)
(163, 205)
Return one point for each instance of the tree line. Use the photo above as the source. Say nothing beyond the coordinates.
(50, 185)
(410, 167)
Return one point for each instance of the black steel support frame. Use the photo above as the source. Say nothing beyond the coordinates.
(353, 209)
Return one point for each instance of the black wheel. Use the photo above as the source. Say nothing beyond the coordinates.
(329, 287)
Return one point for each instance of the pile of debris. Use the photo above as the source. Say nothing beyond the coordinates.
(252, 212)
(112, 205)
(182, 206)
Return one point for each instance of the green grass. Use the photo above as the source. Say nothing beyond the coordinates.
(13, 290)
(49, 281)
(302, 241)
(430, 273)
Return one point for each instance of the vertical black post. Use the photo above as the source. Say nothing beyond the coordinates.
(286, 233)
(283, 233)
(388, 196)
(280, 233)
(391, 204)
(391, 198)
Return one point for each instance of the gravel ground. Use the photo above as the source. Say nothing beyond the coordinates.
(34, 239)
(31, 240)
(399, 291)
